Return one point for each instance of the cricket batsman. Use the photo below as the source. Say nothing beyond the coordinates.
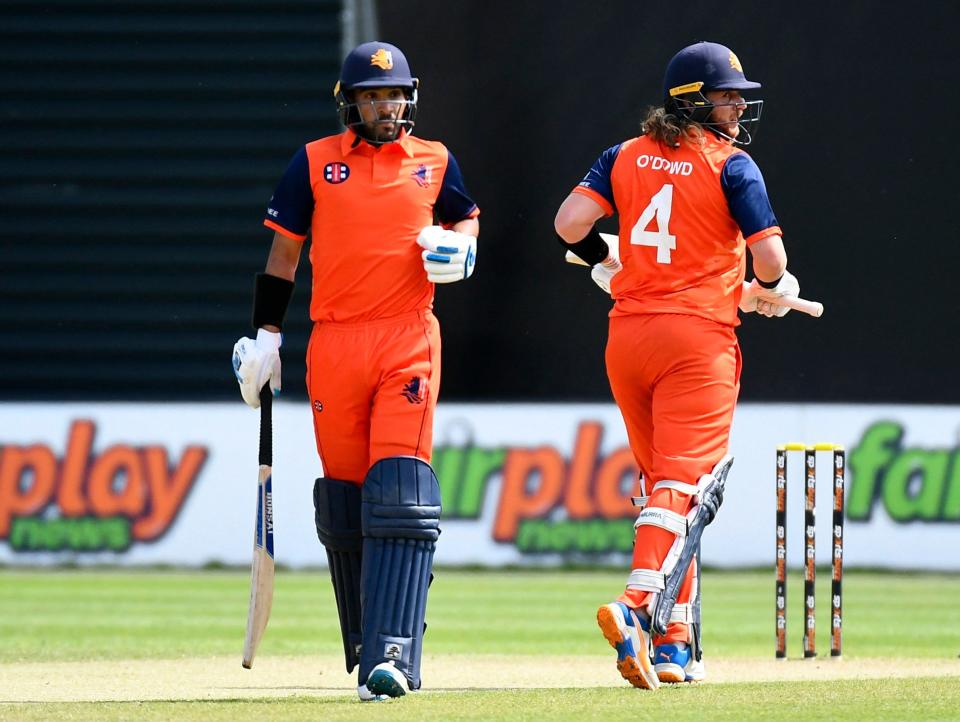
(690, 202)
(388, 217)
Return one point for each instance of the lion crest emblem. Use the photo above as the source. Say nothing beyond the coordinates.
(383, 59)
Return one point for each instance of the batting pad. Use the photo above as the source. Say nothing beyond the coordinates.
(709, 497)
(337, 505)
(401, 523)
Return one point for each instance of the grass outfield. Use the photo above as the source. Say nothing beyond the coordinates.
(504, 645)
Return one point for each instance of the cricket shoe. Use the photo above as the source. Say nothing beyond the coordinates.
(384, 681)
(629, 634)
(674, 663)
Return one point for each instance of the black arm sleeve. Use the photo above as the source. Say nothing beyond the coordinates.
(591, 250)
(271, 296)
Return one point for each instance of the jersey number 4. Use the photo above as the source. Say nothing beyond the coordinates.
(660, 206)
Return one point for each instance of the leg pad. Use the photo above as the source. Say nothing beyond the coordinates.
(710, 497)
(401, 524)
(337, 505)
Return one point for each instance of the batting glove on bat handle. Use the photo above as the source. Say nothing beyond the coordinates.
(768, 298)
(603, 273)
(257, 363)
(772, 302)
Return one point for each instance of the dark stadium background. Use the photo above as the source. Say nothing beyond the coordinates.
(141, 141)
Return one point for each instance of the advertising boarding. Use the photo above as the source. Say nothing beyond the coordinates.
(522, 484)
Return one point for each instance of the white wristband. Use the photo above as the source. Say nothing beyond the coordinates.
(269, 340)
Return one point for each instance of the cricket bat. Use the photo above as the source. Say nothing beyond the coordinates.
(261, 575)
(812, 308)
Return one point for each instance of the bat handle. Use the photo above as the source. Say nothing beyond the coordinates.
(813, 308)
(266, 426)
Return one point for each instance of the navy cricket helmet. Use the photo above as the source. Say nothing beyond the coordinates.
(703, 67)
(375, 65)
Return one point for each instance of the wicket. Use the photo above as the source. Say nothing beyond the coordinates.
(810, 551)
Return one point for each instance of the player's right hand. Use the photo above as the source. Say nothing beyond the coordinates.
(603, 273)
(448, 255)
(256, 363)
(765, 300)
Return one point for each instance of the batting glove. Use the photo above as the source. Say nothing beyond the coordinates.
(603, 273)
(448, 256)
(256, 363)
(764, 300)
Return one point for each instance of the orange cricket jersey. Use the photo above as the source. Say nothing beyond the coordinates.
(364, 207)
(682, 249)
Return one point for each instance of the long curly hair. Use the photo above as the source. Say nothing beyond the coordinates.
(666, 128)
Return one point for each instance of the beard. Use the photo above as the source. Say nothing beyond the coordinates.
(384, 130)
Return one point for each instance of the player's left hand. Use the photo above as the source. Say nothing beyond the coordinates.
(603, 273)
(448, 256)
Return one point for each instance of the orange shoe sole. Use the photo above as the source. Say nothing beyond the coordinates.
(638, 673)
(670, 676)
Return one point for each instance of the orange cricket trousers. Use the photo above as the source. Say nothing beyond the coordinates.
(675, 378)
(373, 389)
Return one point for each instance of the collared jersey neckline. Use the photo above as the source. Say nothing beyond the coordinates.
(349, 144)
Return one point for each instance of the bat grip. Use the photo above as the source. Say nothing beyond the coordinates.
(266, 426)
(813, 308)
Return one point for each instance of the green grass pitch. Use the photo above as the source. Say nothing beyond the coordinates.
(64, 632)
